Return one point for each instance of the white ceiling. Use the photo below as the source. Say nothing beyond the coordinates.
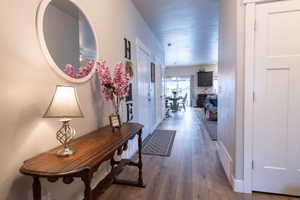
(191, 26)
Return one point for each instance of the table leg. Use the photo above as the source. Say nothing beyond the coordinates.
(87, 184)
(36, 188)
(112, 164)
(174, 106)
(140, 162)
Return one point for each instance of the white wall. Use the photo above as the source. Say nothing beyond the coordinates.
(239, 154)
(227, 89)
(189, 71)
(28, 83)
(231, 60)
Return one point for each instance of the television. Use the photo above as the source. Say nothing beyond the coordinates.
(205, 79)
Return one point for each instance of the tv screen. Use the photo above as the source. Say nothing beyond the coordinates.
(205, 79)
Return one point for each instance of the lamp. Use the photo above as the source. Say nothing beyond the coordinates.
(64, 105)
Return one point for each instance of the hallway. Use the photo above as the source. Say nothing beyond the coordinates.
(192, 172)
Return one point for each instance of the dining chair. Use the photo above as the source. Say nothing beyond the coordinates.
(182, 104)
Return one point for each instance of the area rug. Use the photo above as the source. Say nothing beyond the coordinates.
(160, 143)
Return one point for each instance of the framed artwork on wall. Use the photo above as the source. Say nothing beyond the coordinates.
(152, 72)
(129, 112)
(129, 97)
(127, 49)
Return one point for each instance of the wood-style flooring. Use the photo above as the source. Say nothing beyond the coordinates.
(193, 172)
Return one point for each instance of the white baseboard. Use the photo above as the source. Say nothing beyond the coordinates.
(226, 161)
(157, 124)
(238, 185)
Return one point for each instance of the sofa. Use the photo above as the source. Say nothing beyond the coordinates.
(211, 107)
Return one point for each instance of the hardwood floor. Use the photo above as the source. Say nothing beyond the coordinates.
(193, 172)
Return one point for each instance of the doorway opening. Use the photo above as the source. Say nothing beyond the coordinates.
(182, 85)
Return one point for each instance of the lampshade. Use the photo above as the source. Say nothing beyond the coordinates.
(64, 104)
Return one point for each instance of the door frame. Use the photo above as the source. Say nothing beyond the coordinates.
(139, 45)
(250, 25)
(159, 98)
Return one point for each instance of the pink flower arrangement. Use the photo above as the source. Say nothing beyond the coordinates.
(115, 88)
(83, 71)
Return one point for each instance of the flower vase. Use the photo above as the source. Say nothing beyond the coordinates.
(115, 88)
(116, 109)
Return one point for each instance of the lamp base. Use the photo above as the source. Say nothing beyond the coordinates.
(64, 135)
(65, 152)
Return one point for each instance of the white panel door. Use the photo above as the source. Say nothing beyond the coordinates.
(276, 147)
(144, 103)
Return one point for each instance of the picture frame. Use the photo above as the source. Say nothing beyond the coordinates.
(129, 97)
(115, 121)
(129, 107)
(127, 48)
(152, 72)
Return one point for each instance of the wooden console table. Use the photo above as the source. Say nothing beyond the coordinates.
(91, 150)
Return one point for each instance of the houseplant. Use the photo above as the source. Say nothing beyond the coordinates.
(114, 88)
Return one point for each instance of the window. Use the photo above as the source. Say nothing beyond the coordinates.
(181, 85)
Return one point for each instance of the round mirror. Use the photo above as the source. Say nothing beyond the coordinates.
(67, 39)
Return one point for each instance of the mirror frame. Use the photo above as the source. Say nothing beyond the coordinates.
(40, 31)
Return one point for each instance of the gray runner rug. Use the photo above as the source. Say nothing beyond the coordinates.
(160, 143)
